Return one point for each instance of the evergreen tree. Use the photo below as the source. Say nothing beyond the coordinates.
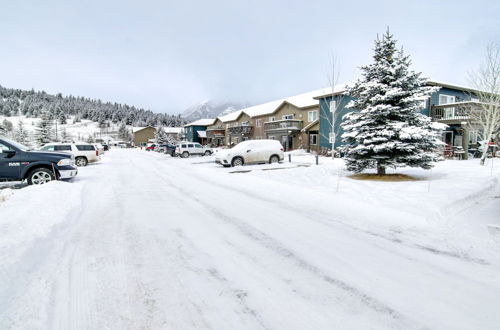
(21, 134)
(7, 125)
(161, 135)
(124, 133)
(386, 128)
(43, 130)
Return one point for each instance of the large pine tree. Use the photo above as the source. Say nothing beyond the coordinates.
(43, 131)
(161, 135)
(386, 128)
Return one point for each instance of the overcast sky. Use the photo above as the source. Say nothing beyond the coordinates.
(167, 55)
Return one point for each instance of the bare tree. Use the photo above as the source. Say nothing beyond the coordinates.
(333, 105)
(486, 80)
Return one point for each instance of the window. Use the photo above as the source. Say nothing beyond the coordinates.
(473, 137)
(62, 148)
(258, 122)
(197, 145)
(331, 137)
(48, 148)
(85, 147)
(312, 116)
(190, 146)
(446, 99)
(3, 147)
(184, 146)
(313, 139)
(272, 118)
(333, 106)
(287, 117)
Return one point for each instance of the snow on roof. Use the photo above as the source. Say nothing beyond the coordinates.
(337, 89)
(303, 100)
(173, 130)
(201, 122)
(450, 85)
(230, 116)
(137, 129)
(202, 134)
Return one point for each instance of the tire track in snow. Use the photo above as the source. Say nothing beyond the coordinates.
(278, 248)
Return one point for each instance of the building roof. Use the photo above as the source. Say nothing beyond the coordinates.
(137, 129)
(311, 124)
(202, 134)
(201, 122)
(173, 130)
(303, 100)
(231, 116)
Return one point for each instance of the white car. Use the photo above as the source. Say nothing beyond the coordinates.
(84, 152)
(100, 148)
(251, 152)
(186, 149)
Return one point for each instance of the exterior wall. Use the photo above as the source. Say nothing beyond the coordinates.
(326, 116)
(313, 130)
(235, 134)
(191, 133)
(296, 138)
(144, 135)
(214, 133)
(325, 120)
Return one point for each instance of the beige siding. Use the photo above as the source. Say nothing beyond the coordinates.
(144, 135)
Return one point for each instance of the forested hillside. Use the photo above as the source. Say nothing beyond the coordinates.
(15, 102)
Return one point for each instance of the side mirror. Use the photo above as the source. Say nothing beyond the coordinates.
(8, 153)
(249, 150)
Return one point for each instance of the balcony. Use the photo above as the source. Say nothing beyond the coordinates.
(216, 132)
(240, 129)
(454, 112)
(284, 125)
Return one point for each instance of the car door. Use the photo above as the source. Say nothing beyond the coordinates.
(251, 153)
(191, 149)
(199, 148)
(10, 164)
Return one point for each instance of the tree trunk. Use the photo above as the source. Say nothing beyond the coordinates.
(485, 151)
(380, 169)
(465, 143)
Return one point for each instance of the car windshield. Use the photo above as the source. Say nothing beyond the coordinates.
(18, 145)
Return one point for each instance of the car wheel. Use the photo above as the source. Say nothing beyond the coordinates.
(40, 176)
(274, 159)
(208, 153)
(185, 154)
(81, 161)
(237, 161)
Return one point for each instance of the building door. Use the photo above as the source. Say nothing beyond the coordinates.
(287, 142)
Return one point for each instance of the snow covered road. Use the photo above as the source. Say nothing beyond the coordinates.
(145, 241)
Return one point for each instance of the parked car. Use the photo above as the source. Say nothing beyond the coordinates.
(106, 147)
(151, 147)
(18, 162)
(166, 148)
(100, 148)
(251, 152)
(84, 152)
(186, 149)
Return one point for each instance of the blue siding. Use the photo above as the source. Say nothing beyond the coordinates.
(326, 116)
(192, 133)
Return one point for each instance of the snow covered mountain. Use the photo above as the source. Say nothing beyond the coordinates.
(210, 109)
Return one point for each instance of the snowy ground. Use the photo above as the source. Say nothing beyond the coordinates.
(146, 241)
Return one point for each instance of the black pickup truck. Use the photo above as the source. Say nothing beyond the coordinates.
(18, 162)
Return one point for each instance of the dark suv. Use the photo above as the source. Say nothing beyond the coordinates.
(167, 148)
(18, 162)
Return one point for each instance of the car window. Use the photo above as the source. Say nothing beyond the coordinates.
(197, 145)
(184, 146)
(4, 147)
(62, 148)
(190, 146)
(48, 148)
(85, 147)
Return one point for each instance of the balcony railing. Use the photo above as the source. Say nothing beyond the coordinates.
(283, 125)
(215, 128)
(213, 133)
(240, 129)
(453, 111)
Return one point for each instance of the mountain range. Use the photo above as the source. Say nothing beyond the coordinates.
(210, 109)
